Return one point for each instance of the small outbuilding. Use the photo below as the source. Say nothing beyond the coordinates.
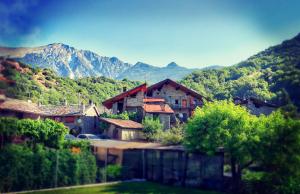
(122, 129)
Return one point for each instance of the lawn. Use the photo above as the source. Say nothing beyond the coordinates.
(129, 187)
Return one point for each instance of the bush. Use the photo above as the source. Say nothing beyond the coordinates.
(152, 128)
(25, 168)
(113, 172)
(48, 132)
(173, 136)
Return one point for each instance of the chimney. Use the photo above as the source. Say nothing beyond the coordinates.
(91, 103)
(163, 107)
(65, 102)
(39, 104)
(124, 89)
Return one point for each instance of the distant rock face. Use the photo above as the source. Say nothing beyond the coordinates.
(145, 72)
(70, 62)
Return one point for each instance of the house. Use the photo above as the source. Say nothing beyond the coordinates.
(180, 98)
(157, 108)
(255, 106)
(167, 100)
(78, 118)
(131, 100)
(123, 129)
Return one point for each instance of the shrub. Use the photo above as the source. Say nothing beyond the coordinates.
(152, 128)
(113, 172)
(48, 132)
(173, 136)
(25, 168)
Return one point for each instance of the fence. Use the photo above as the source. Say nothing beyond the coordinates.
(174, 167)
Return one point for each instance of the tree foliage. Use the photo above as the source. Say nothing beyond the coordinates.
(271, 141)
(46, 131)
(273, 75)
(152, 128)
(45, 86)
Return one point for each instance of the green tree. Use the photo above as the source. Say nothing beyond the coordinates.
(222, 124)
(279, 152)
(152, 128)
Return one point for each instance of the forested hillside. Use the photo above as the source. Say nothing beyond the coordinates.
(43, 85)
(273, 74)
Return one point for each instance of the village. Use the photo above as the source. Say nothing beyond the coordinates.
(149, 97)
(122, 142)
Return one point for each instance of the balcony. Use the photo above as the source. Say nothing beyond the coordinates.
(189, 106)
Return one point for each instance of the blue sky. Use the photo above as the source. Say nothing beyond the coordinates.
(193, 33)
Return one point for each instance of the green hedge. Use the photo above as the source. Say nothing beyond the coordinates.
(45, 160)
(25, 168)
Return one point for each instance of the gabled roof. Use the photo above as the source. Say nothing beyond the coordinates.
(257, 102)
(176, 85)
(108, 103)
(128, 124)
(45, 110)
(158, 108)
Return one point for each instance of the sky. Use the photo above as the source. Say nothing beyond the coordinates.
(192, 33)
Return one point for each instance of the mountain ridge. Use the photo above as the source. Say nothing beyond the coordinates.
(68, 61)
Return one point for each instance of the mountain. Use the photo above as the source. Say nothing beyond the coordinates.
(273, 75)
(18, 80)
(142, 71)
(70, 62)
(67, 61)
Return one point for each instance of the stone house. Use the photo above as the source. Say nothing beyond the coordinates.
(157, 108)
(256, 106)
(180, 98)
(167, 100)
(123, 129)
(78, 118)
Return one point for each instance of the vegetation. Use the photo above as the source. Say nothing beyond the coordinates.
(273, 75)
(271, 141)
(47, 132)
(223, 124)
(129, 188)
(124, 115)
(113, 172)
(173, 136)
(45, 86)
(152, 128)
(43, 159)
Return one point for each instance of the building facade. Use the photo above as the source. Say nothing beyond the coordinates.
(167, 100)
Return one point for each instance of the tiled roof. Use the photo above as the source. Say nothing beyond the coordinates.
(123, 123)
(153, 100)
(61, 110)
(47, 110)
(158, 108)
(20, 106)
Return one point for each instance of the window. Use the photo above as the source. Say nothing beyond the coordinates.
(176, 101)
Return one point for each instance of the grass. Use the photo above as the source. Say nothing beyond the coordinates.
(128, 188)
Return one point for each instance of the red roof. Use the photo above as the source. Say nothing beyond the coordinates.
(123, 123)
(153, 100)
(158, 108)
(108, 103)
(176, 85)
